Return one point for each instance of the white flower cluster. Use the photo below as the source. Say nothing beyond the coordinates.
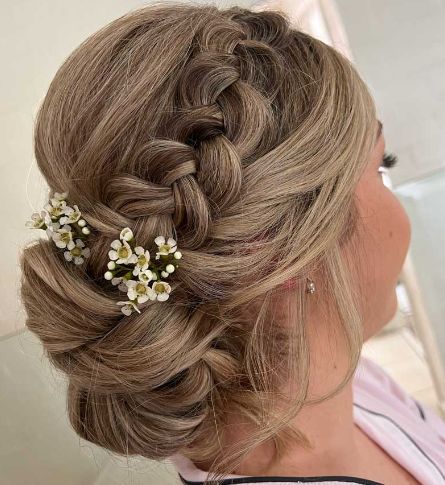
(64, 226)
(133, 271)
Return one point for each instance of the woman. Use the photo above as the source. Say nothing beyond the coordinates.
(251, 153)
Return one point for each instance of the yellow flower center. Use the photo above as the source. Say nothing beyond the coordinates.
(159, 288)
(76, 251)
(142, 260)
(141, 289)
(65, 237)
(122, 252)
(165, 248)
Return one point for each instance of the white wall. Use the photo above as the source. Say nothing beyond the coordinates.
(399, 48)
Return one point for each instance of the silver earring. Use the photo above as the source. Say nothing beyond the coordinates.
(310, 286)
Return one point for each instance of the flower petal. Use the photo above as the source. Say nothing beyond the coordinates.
(160, 240)
(126, 234)
(116, 244)
(133, 259)
(142, 298)
(171, 242)
(123, 287)
(126, 310)
(139, 250)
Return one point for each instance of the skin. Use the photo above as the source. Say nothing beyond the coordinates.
(340, 447)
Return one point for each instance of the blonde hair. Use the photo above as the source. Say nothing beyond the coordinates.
(241, 137)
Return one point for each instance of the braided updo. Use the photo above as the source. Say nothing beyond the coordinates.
(240, 137)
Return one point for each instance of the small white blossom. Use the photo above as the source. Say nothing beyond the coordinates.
(146, 276)
(164, 274)
(71, 215)
(122, 253)
(56, 208)
(177, 255)
(126, 234)
(165, 248)
(63, 237)
(128, 307)
(78, 253)
(37, 220)
(108, 275)
(51, 226)
(143, 258)
(85, 230)
(137, 290)
(161, 290)
(116, 280)
(170, 268)
(57, 204)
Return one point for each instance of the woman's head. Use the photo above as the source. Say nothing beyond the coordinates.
(245, 140)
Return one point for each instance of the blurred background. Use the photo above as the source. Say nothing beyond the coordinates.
(399, 49)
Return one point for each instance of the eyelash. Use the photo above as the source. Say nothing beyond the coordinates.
(389, 161)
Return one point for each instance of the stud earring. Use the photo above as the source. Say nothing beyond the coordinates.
(310, 287)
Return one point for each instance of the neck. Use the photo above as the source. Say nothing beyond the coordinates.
(329, 425)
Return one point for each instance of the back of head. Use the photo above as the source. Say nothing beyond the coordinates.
(240, 137)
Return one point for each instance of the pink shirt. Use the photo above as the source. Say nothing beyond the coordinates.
(410, 432)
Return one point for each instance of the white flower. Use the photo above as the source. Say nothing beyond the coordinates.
(55, 212)
(128, 307)
(120, 282)
(72, 215)
(165, 247)
(137, 290)
(57, 206)
(122, 253)
(116, 280)
(177, 255)
(78, 253)
(37, 220)
(58, 196)
(51, 226)
(143, 258)
(126, 234)
(146, 276)
(161, 290)
(63, 237)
